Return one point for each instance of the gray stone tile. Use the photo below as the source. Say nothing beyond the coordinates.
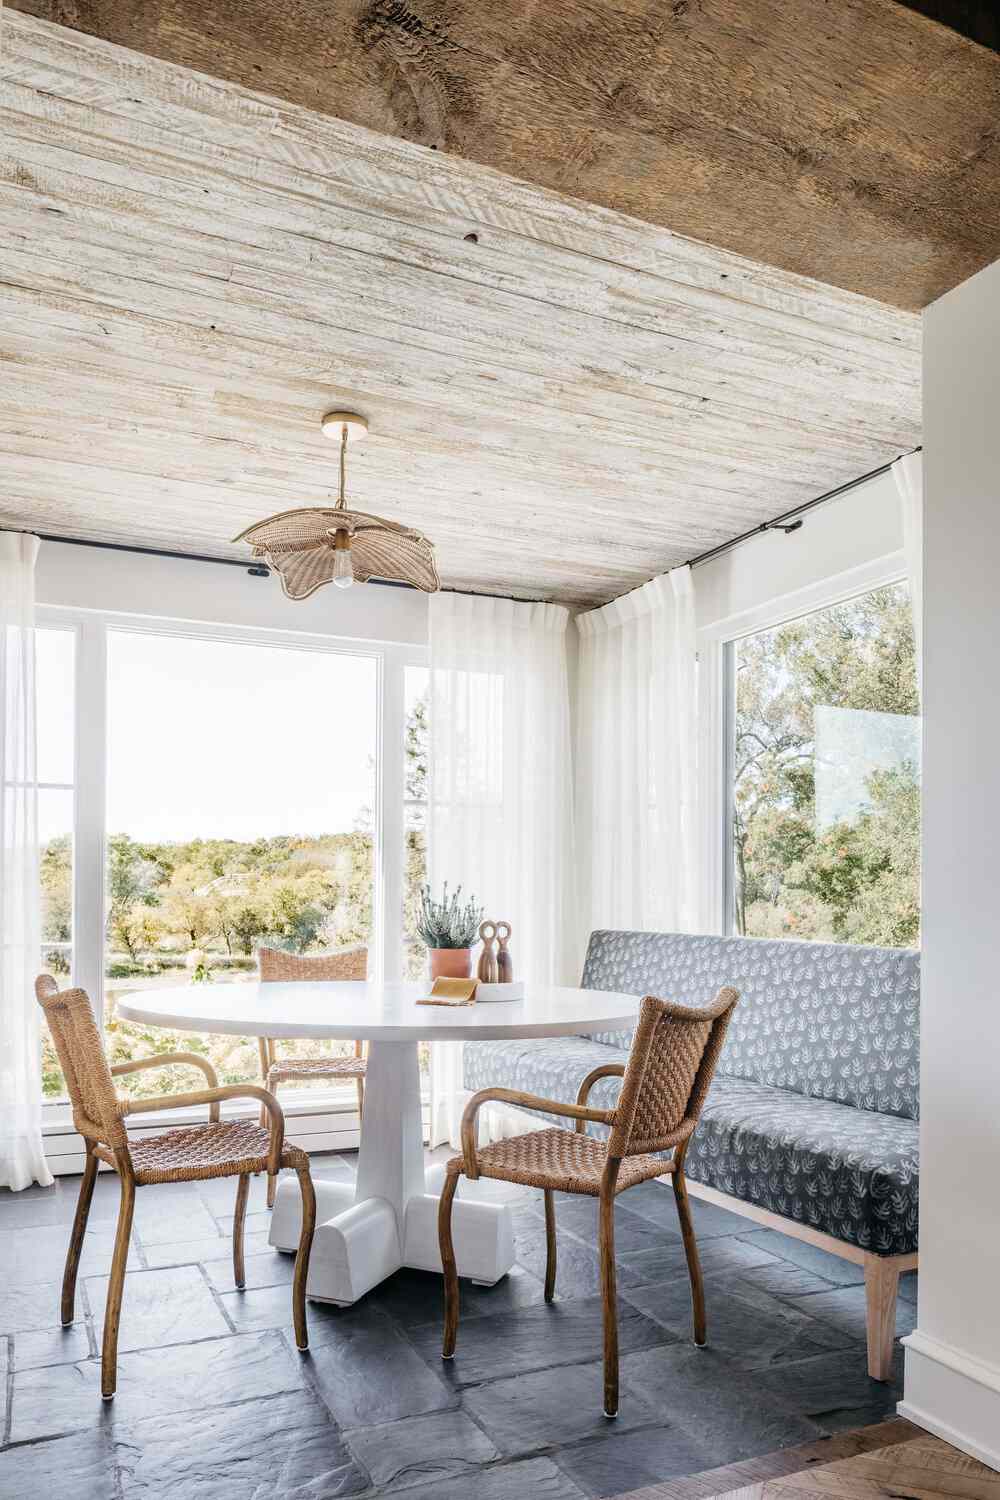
(170, 1306)
(367, 1372)
(160, 1221)
(834, 1391)
(534, 1338)
(437, 1446)
(190, 1252)
(724, 1254)
(655, 1201)
(52, 1346)
(219, 1194)
(266, 1268)
(519, 1288)
(753, 1329)
(37, 1207)
(578, 1267)
(783, 1279)
(80, 1467)
(536, 1479)
(908, 1286)
(24, 1308)
(844, 1308)
(632, 1231)
(547, 1408)
(31, 1256)
(620, 1463)
(258, 1222)
(273, 1449)
(411, 1297)
(809, 1257)
(271, 1307)
(154, 1383)
(720, 1408)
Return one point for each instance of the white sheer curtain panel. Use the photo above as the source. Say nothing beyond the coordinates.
(637, 753)
(500, 809)
(22, 1158)
(908, 473)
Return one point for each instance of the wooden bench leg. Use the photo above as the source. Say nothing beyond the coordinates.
(881, 1288)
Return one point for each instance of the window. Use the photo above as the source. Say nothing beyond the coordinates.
(241, 787)
(415, 770)
(825, 776)
(55, 657)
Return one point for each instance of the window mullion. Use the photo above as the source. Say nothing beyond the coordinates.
(91, 784)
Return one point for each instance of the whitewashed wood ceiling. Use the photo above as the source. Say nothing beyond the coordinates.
(566, 400)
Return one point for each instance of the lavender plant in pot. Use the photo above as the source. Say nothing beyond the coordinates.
(449, 928)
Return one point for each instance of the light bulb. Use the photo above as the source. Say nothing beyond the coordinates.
(343, 568)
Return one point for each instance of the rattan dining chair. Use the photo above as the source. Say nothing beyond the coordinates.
(674, 1054)
(275, 965)
(195, 1153)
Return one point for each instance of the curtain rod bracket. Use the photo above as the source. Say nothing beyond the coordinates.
(786, 527)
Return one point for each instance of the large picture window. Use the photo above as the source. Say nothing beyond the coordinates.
(825, 776)
(240, 794)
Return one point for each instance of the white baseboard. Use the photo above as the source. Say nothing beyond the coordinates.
(953, 1395)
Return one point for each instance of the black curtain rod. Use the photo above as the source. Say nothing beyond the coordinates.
(781, 523)
(256, 569)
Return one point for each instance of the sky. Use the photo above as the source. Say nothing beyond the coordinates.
(214, 739)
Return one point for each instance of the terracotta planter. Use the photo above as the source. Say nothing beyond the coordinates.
(450, 963)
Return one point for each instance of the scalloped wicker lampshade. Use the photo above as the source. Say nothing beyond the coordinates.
(313, 546)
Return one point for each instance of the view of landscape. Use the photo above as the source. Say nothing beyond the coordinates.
(826, 833)
(191, 908)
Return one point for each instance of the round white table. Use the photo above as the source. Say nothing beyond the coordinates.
(388, 1217)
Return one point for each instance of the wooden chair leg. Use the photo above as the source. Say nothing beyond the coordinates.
(360, 1082)
(448, 1265)
(691, 1252)
(609, 1300)
(550, 1244)
(272, 1178)
(76, 1238)
(116, 1284)
(302, 1259)
(881, 1288)
(239, 1220)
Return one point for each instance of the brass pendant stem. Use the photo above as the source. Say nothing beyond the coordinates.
(342, 502)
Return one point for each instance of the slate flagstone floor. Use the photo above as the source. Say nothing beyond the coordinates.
(215, 1404)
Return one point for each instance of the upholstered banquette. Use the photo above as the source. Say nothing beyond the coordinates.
(811, 1123)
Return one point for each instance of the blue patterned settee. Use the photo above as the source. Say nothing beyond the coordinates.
(813, 1113)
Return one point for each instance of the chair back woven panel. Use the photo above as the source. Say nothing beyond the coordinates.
(674, 1054)
(348, 963)
(836, 1021)
(77, 1040)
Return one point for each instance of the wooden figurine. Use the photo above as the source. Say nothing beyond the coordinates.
(487, 970)
(505, 964)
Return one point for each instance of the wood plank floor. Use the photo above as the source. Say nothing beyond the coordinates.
(894, 1460)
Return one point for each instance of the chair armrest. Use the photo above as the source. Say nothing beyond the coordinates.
(520, 1101)
(213, 1097)
(606, 1070)
(189, 1059)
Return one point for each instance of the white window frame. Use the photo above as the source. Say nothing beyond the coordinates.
(317, 1111)
(716, 664)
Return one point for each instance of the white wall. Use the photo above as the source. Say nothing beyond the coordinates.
(131, 583)
(835, 551)
(953, 1360)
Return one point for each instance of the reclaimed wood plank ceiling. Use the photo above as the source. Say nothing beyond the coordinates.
(566, 400)
(844, 141)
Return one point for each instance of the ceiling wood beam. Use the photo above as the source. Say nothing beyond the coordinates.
(843, 141)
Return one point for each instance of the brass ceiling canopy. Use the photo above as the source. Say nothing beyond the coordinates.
(311, 547)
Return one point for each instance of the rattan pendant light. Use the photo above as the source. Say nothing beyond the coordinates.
(311, 547)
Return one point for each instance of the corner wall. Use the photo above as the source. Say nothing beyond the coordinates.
(953, 1358)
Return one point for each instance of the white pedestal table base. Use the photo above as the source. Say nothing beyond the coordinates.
(388, 1218)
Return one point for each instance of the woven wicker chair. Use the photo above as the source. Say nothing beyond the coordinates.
(222, 1148)
(275, 964)
(673, 1058)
